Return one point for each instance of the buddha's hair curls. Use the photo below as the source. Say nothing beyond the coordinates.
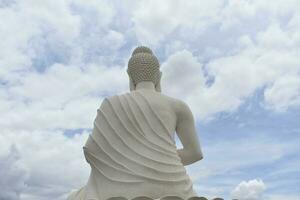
(143, 66)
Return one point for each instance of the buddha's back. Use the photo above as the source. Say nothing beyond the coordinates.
(162, 105)
(132, 151)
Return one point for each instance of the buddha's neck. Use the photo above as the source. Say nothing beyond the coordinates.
(148, 85)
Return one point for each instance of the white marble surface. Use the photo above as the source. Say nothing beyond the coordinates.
(132, 151)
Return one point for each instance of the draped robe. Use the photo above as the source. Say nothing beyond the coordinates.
(132, 153)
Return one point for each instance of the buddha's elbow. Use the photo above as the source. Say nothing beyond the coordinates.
(198, 156)
(193, 158)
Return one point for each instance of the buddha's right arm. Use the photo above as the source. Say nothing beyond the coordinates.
(186, 131)
(188, 158)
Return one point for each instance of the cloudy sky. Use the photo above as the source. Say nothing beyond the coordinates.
(236, 63)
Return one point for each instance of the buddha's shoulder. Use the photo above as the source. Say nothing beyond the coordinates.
(178, 106)
(112, 97)
(175, 103)
(116, 96)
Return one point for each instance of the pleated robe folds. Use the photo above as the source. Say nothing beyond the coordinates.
(132, 153)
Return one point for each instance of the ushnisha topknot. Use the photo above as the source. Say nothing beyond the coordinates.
(143, 66)
(142, 49)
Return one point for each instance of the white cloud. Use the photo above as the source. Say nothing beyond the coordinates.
(13, 174)
(284, 93)
(249, 190)
(227, 160)
(282, 196)
(27, 21)
(181, 73)
(264, 64)
(48, 164)
(63, 97)
(36, 36)
(103, 11)
(155, 20)
(229, 157)
(51, 82)
(268, 62)
(183, 77)
(58, 60)
(264, 46)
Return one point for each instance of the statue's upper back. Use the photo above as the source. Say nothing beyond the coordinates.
(161, 106)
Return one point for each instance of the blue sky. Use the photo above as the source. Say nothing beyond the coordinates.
(235, 63)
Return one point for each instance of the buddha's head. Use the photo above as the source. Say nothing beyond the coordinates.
(143, 66)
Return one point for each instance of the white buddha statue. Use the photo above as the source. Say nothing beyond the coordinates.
(132, 151)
